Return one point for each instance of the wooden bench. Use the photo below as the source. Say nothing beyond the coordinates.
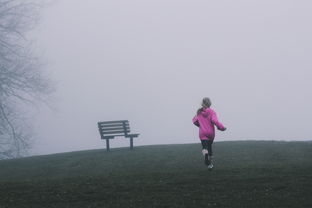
(111, 129)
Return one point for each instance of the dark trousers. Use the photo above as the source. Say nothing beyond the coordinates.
(207, 144)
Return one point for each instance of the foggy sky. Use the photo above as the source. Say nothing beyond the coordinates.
(152, 62)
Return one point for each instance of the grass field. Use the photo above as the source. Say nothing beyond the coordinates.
(246, 174)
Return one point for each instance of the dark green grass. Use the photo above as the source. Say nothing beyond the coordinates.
(246, 174)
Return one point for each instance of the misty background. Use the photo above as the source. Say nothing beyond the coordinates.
(151, 62)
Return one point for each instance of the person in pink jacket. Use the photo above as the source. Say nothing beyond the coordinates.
(206, 120)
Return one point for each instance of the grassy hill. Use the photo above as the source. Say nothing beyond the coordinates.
(246, 174)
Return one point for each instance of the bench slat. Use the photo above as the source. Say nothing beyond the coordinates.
(132, 135)
(113, 122)
(115, 129)
(113, 125)
(112, 136)
(114, 132)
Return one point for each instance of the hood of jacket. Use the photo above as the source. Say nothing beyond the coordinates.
(205, 112)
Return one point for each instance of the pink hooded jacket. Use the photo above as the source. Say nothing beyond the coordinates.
(206, 120)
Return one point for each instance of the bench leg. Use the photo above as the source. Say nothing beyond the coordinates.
(131, 143)
(107, 144)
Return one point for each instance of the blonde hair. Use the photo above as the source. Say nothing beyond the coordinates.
(206, 103)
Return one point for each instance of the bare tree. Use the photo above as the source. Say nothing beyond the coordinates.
(21, 76)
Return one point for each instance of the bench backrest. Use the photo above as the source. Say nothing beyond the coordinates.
(110, 129)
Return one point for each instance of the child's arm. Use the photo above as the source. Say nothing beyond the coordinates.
(195, 121)
(215, 121)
